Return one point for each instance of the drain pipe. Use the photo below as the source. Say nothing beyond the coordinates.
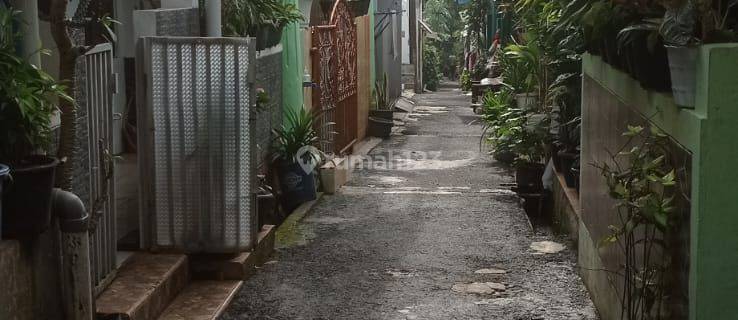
(75, 269)
(213, 18)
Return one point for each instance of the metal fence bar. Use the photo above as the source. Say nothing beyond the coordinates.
(100, 89)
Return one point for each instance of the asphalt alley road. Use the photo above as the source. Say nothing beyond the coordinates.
(426, 230)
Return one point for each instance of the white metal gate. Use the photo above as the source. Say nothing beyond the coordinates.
(100, 87)
(196, 144)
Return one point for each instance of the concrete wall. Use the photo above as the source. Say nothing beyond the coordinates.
(388, 44)
(704, 137)
(17, 296)
(269, 77)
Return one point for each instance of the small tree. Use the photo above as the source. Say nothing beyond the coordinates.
(69, 52)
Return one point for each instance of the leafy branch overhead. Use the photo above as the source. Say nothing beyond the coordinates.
(242, 18)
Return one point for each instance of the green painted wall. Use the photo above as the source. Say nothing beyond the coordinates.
(709, 132)
(292, 65)
(713, 279)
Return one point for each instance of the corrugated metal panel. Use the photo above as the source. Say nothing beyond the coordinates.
(196, 141)
(100, 87)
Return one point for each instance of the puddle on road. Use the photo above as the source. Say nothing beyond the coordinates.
(387, 179)
(410, 164)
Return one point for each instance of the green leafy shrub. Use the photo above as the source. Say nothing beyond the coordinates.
(243, 18)
(431, 68)
(297, 132)
(27, 98)
(465, 79)
(644, 184)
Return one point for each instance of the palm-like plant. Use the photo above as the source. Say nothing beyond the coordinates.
(297, 133)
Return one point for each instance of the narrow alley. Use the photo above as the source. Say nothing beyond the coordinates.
(434, 233)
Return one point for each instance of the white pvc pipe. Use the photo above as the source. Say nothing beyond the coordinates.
(213, 22)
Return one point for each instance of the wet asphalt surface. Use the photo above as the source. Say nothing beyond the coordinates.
(393, 243)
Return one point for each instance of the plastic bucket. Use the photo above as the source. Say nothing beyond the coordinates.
(683, 66)
(4, 172)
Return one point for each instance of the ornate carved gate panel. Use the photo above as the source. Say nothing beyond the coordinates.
(334, 63)
(324, 60)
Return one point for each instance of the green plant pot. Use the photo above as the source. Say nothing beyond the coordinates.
(27, 198)
(359, 7)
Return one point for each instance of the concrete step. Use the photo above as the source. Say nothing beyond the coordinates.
(145, 285)
(234, 267)
(202, 300)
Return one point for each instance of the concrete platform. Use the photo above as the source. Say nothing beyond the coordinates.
(202, 300)
(144, 287)
(234, 267)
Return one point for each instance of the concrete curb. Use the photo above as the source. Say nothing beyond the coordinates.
(293, 219)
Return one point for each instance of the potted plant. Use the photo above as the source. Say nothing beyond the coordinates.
(644, 55)
(264, 19)
(678, 31)
(381, 117)
(522, 73)
(465, 81)
(296, 157)
(529, 148)
(26, 105)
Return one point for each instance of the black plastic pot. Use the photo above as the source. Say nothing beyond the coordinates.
(261, 41)
(359, 7)
(382, 114)
(528, 177)
(27, 198)
(297, 185)
(565, 161)
(381, 128)
(274, 36)
(650, 68)
(575, 175)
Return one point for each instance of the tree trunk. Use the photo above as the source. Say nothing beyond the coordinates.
(67, 60)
